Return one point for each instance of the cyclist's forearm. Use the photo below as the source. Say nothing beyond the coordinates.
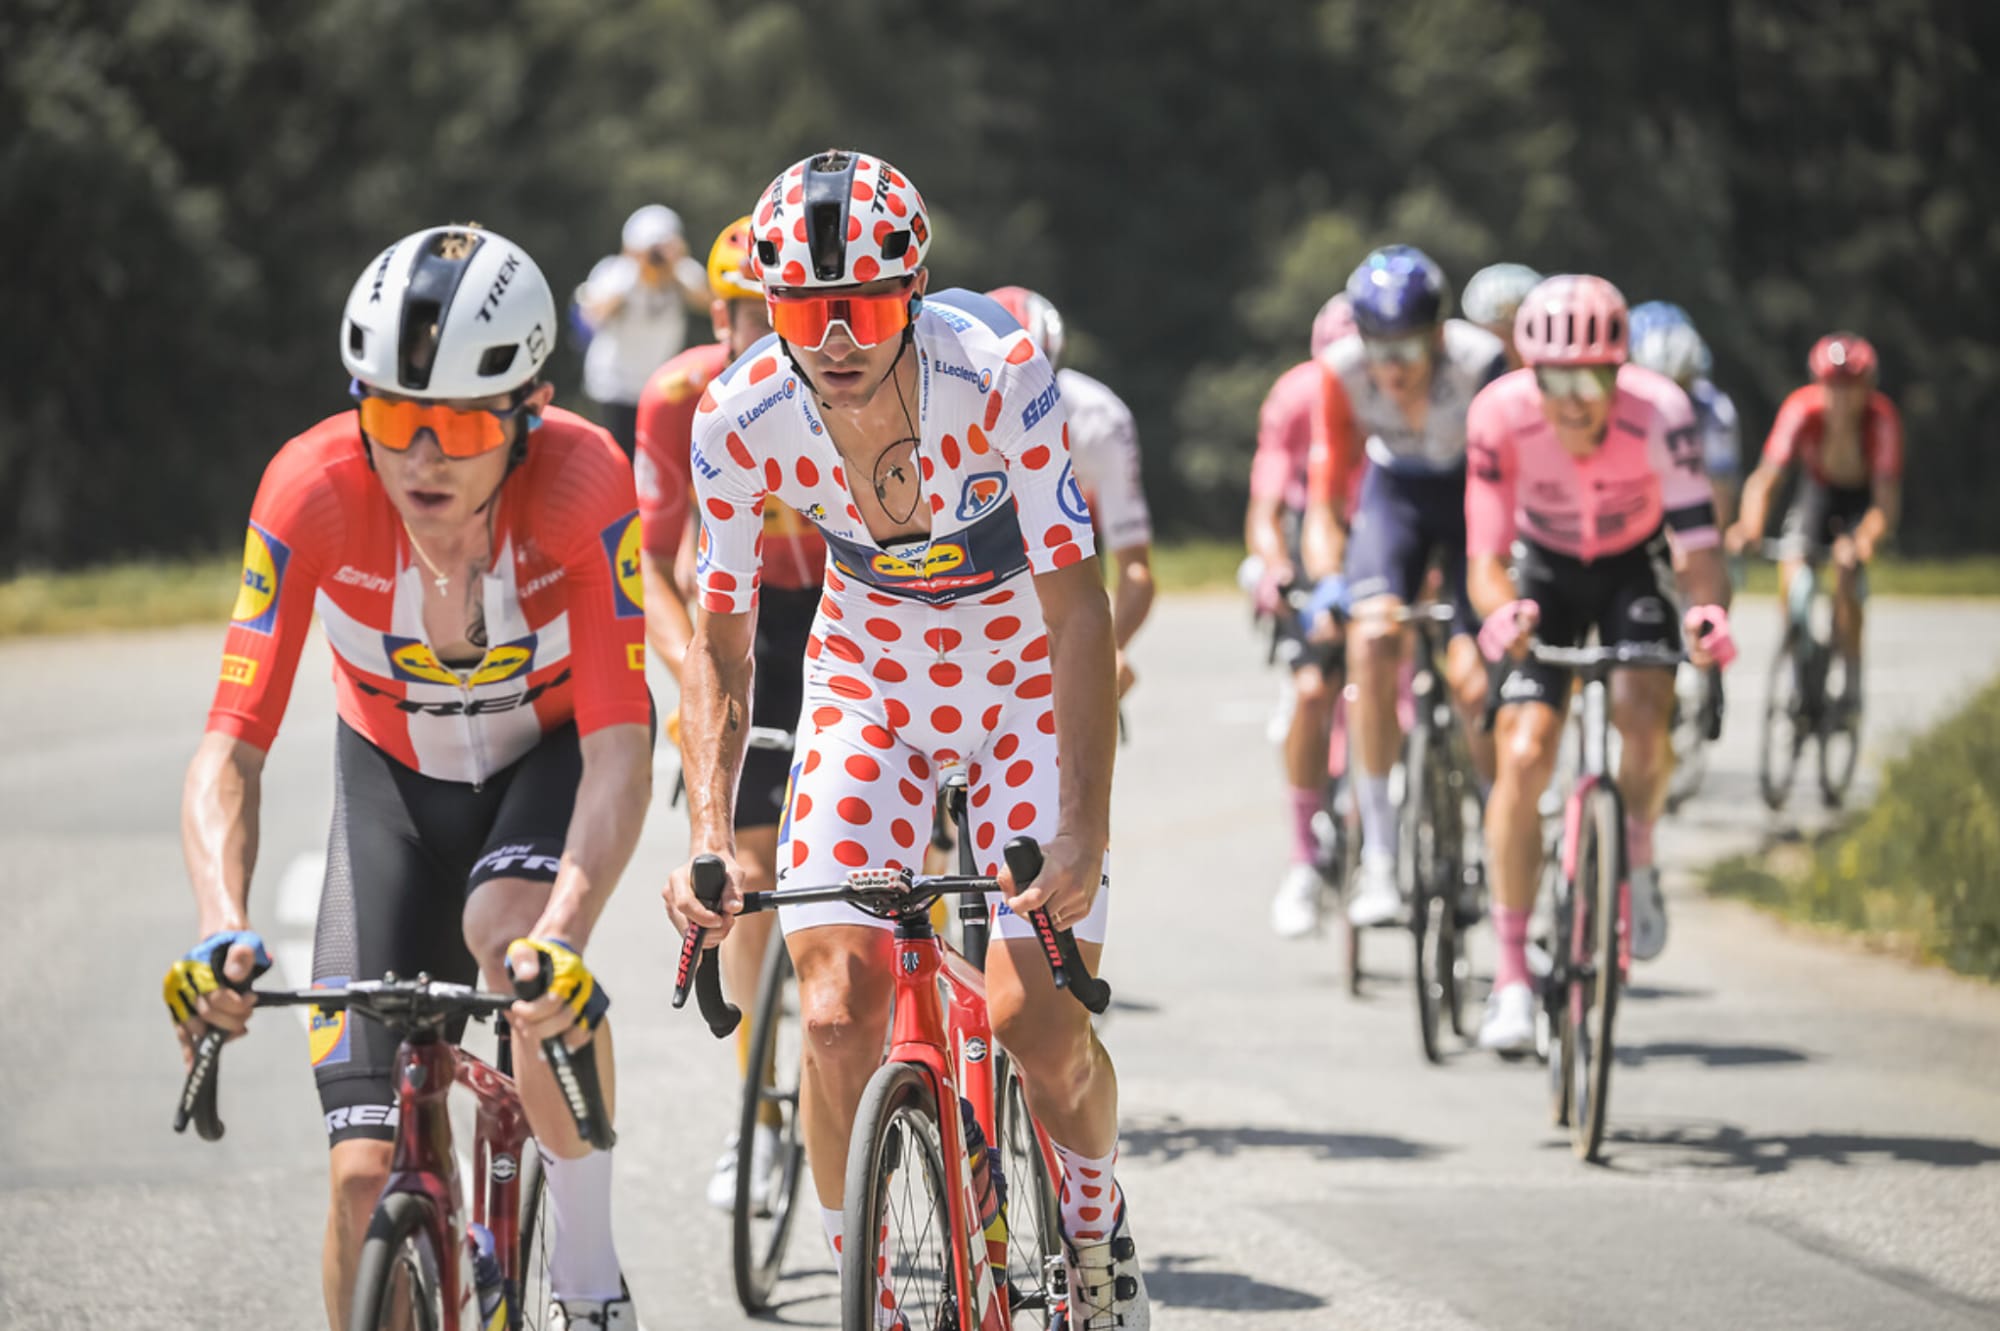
(1083, 660)
(611, 801)
(668, 627)
(1755, 500)
(1263, 536)
(1880, 519)
(1488, 585)
(1132, 599)
(1704, 577)
(715, 730)
(219, 820)
(1322, 542)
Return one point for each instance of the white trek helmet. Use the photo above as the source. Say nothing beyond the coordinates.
(1675, 350)
(448, 313)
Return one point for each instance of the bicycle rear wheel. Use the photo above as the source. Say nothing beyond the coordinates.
(1785, 729)
(396, 1282)
(897, 1242)
(1839, 731)
(1593, 991)
(761, 1226)
(1033, 1208)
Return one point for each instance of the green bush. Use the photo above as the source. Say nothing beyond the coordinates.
(1922, 867)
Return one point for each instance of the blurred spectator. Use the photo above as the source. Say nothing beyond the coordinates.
(635, 304)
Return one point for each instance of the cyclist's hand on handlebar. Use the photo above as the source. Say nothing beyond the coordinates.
(571, 1005)
(1847, 551)
(1736, 538)
(1068, 884)
(1329, 602)
(198, 998)
(1709, 640)
(1508, 629)
(684, 909)
(1126, 676)
(1271, 584)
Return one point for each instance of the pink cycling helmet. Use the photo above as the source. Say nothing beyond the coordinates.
(1572, 319)
(1842, 356)
(1334, 321)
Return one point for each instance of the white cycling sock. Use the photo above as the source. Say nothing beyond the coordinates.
(834, 1219)
(1378, 817)
(1089, 1195)
(583, 1261)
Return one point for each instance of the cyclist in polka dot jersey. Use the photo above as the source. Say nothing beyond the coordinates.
(927, 440)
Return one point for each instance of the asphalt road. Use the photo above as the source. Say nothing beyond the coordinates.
(1803, 1134)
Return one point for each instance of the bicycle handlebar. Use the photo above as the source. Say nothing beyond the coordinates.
(884, 893)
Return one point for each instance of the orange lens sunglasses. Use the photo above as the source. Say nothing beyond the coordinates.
(460, 434)
(806, 319)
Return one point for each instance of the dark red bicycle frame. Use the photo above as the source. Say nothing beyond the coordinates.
(424, 1163)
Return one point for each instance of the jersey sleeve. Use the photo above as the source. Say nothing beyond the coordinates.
(295, 525)
(1271, 466)
(1109, 469)
(1885, 439)
(595, 523)
(661, 469)
(1490, 472)
(1333, 458)
(729, 495)
(1782, 445)
(1673, 447)
(1029, 428)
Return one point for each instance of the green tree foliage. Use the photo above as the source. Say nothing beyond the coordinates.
(189, 186)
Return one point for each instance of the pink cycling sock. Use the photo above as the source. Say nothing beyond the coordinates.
(1089, 1195)
(1638, 841)
(1510, 928)
(1305, 804)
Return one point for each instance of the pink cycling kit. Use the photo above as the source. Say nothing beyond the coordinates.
(1285, 433)
(928, 653)
(1648, 469)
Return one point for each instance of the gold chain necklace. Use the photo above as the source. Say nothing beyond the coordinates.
(439, 578)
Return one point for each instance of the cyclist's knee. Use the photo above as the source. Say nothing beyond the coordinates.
(499, 911)
(1309, 686)
(1527, 737)
(1055, 1050)
(844, 1005)
(358, 1169)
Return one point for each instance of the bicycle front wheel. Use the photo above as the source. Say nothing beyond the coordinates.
(396, 1284)
(898, 1251)
(1839, 732)
(1433, 916)
(1785, 729)
(537, 1225)
(1033, 1208)
(767, 1189)
(1598, 902)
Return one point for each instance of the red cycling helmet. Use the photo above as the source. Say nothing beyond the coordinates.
(1572, 319)
(1842, 356)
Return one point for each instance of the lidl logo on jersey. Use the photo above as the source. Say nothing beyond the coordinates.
(411, 660)
(264, 560)
(621, 547)
(1069, 496)
(506, 661)
(327, 1036)
(938, 559)
(980, 493)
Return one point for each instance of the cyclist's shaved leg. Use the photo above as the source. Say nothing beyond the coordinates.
(1847, 616)
(1071, 1085)
(357, 1169)
(845, 984)
(1374, 664)
(1642, 704)
(1305, 757)
(1788, 569)
(1527, 739)
(1465, 670)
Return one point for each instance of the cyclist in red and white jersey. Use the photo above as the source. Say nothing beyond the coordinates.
(1582, 469)
(1295, 415)
(1104, 445)
(926, 438)
(794, 562)
(473, 556)
(1848, 437)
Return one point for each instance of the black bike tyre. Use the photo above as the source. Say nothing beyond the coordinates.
(534, 1292)
(1599, 872)
(896, 1094)
(756, 1262)
(1554, 990)
(1031, 1195)
(399, 1240)
(1416, 836)
(1783, 708)
(1839, 734)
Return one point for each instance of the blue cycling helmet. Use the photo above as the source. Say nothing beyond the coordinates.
(1656, 317)
(1397, 290)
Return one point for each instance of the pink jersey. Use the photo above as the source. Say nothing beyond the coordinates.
(1648, 469)
(1285, 434)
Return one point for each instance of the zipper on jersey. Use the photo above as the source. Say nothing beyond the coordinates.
(473, 745)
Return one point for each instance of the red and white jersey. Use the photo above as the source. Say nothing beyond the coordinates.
(1287, 424)
(994, 461)
(794, 555)
(1104, 444)
(1800, 433)
(1647, 469)
(563, 603)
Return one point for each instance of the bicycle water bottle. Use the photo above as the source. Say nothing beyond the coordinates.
(989, 1188)
(487, 1279)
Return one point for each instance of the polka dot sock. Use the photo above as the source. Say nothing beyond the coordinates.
(1090, 1195)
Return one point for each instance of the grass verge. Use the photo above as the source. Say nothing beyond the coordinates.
(120, 596)
(1918, 873)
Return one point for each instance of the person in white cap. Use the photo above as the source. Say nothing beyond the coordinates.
(635, 304)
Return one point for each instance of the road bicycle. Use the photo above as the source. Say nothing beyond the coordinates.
(1809, 699)
(1590, 951)
(928, 1222)
(425, 1265)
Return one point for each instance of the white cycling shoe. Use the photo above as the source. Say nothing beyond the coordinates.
(1376, 899)
(1509, 1024)
(1107, 1291)
(1295, 909)
(594, 1315)
(763, 1154)
(1649, 914)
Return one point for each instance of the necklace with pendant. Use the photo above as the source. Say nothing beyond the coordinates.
(439, 578)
